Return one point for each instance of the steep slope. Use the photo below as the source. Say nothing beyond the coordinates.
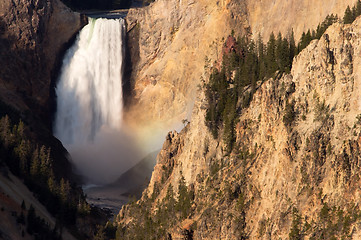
(12, 193)
(285, 179)
(266, 16)
(169, 42)
(33, 35)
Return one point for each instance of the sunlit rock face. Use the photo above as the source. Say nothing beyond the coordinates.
(268, 16)
(173, 43)
(275, 169)
(169, 42)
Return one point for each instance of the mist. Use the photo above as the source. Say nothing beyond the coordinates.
(89, 117)
(103, 160)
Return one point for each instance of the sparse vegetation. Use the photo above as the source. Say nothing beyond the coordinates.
(290, 114)
(34, 165)
(231, 87)
(352, 14)
(171, 209)
(358, 119)
(295, 232)
(308, 36)
(182, 203)
(331, 223)
(37, 227)
(322, 111)
(185, 198)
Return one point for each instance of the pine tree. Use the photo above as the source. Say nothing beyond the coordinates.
(313, 34)
(302, 43)
(292, 52)
(290, 114)
(358, 8)
(216, 94)
(229, 122)
(23, 153)
(282, 53)
(319, 31)
(348, 17)
(35, 163)
(21, 129)
(5, 130)
(170, 201)
(44, 156)
(308, 37)
(64, 190)
(279, 51)
(23, 206)
(305, 40)
(354, 13)
(271, 63)
(321, 28)
(261, 60)
(286, 62)
(52, 183)
(183, 205)
(31, 220)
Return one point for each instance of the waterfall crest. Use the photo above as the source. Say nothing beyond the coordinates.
(89, 101)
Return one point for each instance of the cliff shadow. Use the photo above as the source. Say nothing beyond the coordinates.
(131, 60)
(22, 69)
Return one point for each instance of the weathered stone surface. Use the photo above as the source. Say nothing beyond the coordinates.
(172, 44)
(170, 41)
(268, 16)
(275, 169)
(32, 38)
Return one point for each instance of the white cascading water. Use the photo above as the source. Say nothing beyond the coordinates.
(89, 102)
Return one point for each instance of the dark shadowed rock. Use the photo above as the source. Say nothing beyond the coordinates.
(33, 35)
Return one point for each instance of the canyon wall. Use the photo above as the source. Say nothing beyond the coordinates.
(33, 35)
(169, 43)
(283, 180)
(172, 44)
(266, 16)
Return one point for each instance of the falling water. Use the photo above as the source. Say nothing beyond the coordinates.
(89, 102)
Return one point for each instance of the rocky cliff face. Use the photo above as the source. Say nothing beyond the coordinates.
(282, 16)
(313, 163)
(296, 179)
(172, 43)
(169, 42)
(33, 34)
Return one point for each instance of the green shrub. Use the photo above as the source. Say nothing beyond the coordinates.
(322, 111)
(290, 114)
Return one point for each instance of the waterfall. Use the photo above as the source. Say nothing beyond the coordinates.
(89, 94)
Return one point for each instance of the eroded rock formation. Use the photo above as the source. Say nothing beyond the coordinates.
(170, 42)
(33, 35)
(173, 43)
(268, 16)
(282, 180)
